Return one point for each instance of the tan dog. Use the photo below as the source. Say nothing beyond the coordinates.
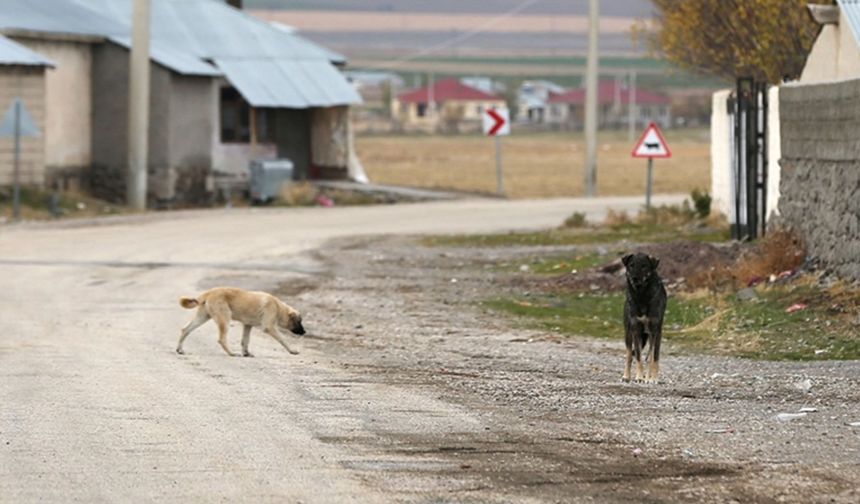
(253, 309)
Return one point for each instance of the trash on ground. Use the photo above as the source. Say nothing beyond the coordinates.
(804, 386)
(795, 307)
(808, 409)
(724, 430)
(637, 452)
(787, 417)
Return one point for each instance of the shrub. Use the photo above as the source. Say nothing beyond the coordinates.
(701, 202)
(575, 220)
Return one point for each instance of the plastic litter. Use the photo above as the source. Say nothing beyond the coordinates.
(795, 307)
(788, 417)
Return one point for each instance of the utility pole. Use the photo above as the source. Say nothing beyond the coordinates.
(591, 101)
(138, 108)
(631, 107)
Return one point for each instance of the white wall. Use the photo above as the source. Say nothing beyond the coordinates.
(721, 153)
(774, 151)
(722, 150)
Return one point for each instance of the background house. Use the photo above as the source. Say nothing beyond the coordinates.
(567, 110)
(446, 104)
(532, 97)
(22, 76)
(226, 89)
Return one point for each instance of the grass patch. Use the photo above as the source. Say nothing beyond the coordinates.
(553, 265)
(595, 315)
(35, 204)
(635, 232)
(759, 329)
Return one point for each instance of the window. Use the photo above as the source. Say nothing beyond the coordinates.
(421, 109)
(236, 119)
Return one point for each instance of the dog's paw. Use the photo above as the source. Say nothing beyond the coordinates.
(652, 380)
(625, 379)
(247, 354)
(180, 351)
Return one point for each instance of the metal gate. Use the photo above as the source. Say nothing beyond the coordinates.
(748, 133)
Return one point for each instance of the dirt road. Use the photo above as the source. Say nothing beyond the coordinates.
(404, 390)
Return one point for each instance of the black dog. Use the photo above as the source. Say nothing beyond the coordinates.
(643, 314)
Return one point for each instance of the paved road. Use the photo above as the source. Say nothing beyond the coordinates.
(97, 407)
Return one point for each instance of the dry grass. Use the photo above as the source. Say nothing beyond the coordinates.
(535, 165)
(778, 251)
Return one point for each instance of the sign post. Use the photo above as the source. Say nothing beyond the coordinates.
(497, 123)
(651, 145)
(17, 123)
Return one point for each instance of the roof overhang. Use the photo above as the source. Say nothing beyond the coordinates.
(288, 83)
(824, 14)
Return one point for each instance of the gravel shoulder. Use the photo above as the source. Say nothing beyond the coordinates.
(556, 424)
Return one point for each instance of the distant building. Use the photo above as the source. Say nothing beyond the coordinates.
(532, 99)
(447, 105)
(484, 84)
(225, 89)
(567, 109)
(376, 87)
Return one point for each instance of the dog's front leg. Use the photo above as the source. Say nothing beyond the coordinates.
(654, 352)
(246, 338)
(274, 333)
(637, 350)
(626, 376)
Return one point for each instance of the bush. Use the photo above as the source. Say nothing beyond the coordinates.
(702, 203)
(576, 220)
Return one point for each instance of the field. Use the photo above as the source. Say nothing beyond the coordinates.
(535, 165)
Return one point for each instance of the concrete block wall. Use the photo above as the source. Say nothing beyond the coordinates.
(820, 179)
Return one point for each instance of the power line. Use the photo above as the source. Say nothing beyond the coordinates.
(392, 64)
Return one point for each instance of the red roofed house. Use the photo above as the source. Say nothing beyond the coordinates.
(567, 109)
(447, 105)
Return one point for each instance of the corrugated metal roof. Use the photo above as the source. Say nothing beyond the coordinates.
(270, 66)
(278, 67)
(851, 10)
(13, 53)
(177, 61)
(288, 83)
(56, 16)
(211, 29)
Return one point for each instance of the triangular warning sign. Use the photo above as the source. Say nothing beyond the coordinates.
(651, 144)
(26, 125)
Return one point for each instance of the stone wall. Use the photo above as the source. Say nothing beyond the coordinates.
(820, 179)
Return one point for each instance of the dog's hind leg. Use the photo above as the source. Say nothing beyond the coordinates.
(199, 319)
(274, 333)
(222, 336)
(246, 337)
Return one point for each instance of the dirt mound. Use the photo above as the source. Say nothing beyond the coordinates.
(679, 261)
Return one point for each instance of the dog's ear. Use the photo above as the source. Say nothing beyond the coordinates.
(626, 259)
(654, 262)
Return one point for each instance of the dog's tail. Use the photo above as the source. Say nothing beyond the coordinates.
(187, 302)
